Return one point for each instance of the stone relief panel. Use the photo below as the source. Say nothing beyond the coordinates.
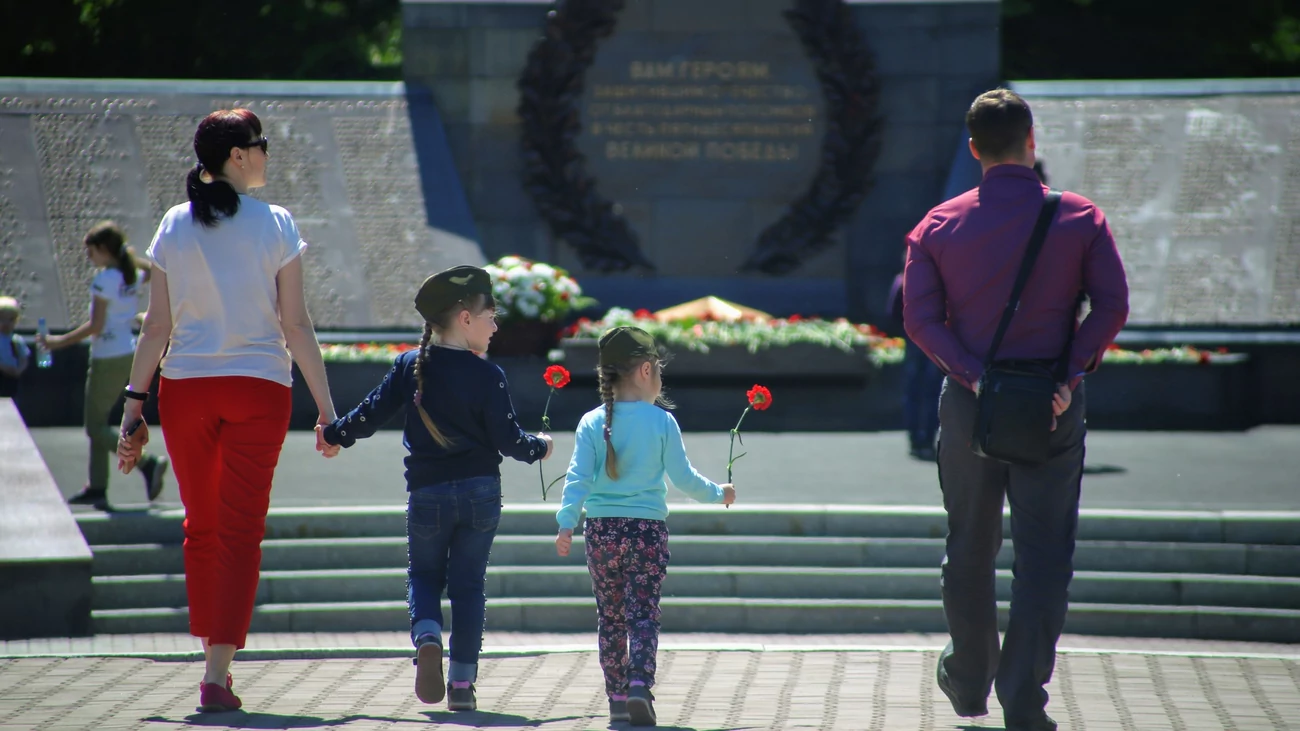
(87, 173)
(168, 151)
(69, 160)
(1285, 304)
(16, 279)
(387, 206)
(1193, 191)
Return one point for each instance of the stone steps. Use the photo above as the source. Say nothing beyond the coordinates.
(359, 585)
(807, 569)
(514, 550)
(799, 521)
(566, 614)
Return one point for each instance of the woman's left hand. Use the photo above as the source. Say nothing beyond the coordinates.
(130, 449)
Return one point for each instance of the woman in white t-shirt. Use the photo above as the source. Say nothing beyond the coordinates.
(113, 304)
(226, 301)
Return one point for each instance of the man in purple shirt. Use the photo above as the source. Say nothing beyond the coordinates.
(962, 260)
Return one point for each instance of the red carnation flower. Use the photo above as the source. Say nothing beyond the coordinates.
(556, 376)
(759, 399)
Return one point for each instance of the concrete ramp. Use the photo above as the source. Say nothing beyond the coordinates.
(45, 588)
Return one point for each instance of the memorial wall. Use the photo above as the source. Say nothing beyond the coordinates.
(702, 124)
(343, 161)
(699, 127)
(1201, 185)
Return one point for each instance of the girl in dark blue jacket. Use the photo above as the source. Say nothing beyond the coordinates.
(459, 423)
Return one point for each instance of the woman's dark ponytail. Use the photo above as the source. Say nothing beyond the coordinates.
(209, 201)
(211, 198)
(110, 237)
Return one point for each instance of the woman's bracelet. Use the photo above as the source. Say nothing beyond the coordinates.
(136, 395)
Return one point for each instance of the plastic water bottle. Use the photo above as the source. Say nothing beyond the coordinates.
(43, 357)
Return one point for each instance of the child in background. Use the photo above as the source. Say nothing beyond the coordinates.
(618, 472)
(14, 353)
(459, 421)
(113, 306)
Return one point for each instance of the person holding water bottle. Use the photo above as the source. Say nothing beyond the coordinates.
(113, 304)
(14, 353)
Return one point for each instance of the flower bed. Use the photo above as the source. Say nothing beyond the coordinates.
(1186, 354)
(528, 290)
(364, 352)
(700, 335)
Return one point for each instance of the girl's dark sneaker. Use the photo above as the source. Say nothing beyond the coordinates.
(618, 710)
(428, 670)
(460, 696)
(641, 706)
(215, 699)
(96, 498)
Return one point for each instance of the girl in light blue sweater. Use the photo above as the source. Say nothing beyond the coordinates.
(618, 475)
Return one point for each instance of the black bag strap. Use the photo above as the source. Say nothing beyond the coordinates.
(1045, 215)
(1063, 364)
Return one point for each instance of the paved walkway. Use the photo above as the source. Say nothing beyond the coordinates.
(874, 690)
(279, 645)
(1254, 470)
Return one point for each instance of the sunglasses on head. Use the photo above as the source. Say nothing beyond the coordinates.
(260, 142)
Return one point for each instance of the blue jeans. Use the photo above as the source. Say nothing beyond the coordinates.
(449, 531)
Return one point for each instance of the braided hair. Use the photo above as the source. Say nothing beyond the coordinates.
(439, 324)
(421, 363)
(608, 376)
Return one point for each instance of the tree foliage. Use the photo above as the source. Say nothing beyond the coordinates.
(202, 39)
(1149, 39)
(361, 39)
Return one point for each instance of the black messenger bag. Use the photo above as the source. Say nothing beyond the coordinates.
(1013, 421)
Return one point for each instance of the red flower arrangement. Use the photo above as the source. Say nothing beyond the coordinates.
(760, 398)
(557, 377)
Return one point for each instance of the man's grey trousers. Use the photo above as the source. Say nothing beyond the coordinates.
(1044, 520)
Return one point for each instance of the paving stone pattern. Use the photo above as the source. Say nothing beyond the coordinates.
(873, 690)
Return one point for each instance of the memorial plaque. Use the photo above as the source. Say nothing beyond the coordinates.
(703, 140)
(1201, 193)
(342, 162)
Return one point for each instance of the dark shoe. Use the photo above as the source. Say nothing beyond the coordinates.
(460, 697)
(429, 686)
(1041, 722)
(153, 470)
(618, 711)
(963, 708)
(97, 499)
(641, 706)
(215, 699)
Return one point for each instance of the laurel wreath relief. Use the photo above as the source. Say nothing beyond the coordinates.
(566, 197)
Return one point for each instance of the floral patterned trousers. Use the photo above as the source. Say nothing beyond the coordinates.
(628, 559)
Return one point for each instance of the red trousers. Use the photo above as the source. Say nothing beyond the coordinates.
(224, 436)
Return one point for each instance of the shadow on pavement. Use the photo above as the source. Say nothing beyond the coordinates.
(488, 719)
(1103, 469)
(240, 719)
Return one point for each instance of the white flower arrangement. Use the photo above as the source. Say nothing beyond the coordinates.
(528, 290)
